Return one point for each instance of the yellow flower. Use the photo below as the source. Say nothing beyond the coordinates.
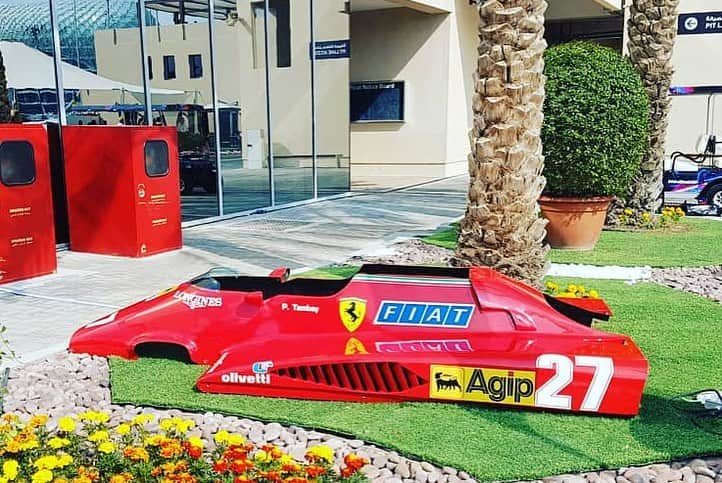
(552, 286)
(628, 211)
(37, 421)
(106, 447)
(322, 452)
(10, 469)
(64, 460)
(66, 424)
(593, 294)
(236, 440)
(184, 425)
(94, 416)
(43, 476)
(57, 443)
(221, 437)
(123, 429)
(46, 462)
(98, 436)
(262, 457)
(571, 288)
(142, 419)
(3, 479)
(646, 216)
(166, 424)
(196, 442)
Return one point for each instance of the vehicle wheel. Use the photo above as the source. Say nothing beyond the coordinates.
(714, 196)
(186, 187)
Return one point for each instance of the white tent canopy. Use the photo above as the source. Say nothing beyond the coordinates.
(27, 68)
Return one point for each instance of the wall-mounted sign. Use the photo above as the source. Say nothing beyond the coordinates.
(333, 49)
(699, 23)
(377, 101)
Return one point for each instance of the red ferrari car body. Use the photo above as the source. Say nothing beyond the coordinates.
(389, 333)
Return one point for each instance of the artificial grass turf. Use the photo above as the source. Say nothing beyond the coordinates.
(700, 245)
(681, 335)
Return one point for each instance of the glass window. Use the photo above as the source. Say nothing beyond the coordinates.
(195, 66)
(169, 66)
(279, 33)
(156, 158)
(17, 163)
(150, 67)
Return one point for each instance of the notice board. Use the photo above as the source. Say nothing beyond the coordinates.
(377, 101)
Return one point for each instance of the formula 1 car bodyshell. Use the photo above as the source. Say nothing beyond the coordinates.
(389, 333)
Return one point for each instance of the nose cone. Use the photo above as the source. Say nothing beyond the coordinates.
(103, 337)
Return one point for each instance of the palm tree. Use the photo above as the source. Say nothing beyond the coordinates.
(652, 29)
(502, 228)
(5, 109)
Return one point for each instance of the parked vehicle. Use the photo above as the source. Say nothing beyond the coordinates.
(687, 186)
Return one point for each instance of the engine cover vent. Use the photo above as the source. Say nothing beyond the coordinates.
(381, 377)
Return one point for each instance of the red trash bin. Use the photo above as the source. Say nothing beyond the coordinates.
(123, 189)
(27, 229)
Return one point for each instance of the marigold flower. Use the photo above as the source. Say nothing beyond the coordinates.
(593, 294)
(10, 469)
(106, 447)
(98, 436)
(135, 453)
(66, 424)
(262, 456)
(236, 439)
(241, 466)
(571, 288)
(117, 479)
(42, 476)
(64, 460)
(221, 437)
(355, 461)
(46, 462)
(142, 419)
(123, 429)
(37, 421)
(220, 466)
(57, 443)
(315, 471)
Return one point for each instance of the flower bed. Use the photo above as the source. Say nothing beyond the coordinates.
(87, 450)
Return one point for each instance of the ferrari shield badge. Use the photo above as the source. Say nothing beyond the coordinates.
(354, 347)
(352, 312)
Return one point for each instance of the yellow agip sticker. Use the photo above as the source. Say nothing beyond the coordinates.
(478, 384)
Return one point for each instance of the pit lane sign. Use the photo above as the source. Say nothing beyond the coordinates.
(699, 23)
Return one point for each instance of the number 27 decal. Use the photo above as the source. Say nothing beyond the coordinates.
(548, 395)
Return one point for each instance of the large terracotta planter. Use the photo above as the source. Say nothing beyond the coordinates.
(574, 223)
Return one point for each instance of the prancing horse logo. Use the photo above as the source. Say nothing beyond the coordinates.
(352, 312)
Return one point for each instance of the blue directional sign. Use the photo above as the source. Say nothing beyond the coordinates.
(333, 49)
(699, 23)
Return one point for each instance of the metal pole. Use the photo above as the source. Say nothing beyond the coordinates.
(313, 105)
(271, 177)
(214, 95)
(144, 65)
(58, 63)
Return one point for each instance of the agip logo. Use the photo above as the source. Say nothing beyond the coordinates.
(477, 384)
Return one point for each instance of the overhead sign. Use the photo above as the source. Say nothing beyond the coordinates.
(699, 23)
(333, 49)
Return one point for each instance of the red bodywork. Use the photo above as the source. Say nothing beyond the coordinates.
(390, 333)
(114, 206)
(27, 232)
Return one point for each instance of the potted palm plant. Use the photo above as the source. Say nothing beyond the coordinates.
(595, 132)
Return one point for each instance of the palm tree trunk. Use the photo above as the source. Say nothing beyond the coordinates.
(5, 109)
(652, 28)
(502, 228)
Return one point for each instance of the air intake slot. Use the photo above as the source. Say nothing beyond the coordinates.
(383, 377)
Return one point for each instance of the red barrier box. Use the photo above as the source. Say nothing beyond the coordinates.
(27, 233)
(123, 189)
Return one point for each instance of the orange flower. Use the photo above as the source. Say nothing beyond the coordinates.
(220, 466)
(136, 453)
(273, 476)
(194, 452)
(291, 467)
(241, 466)
(170, 449)
(355, 462)
(315, 471)
(295, 479)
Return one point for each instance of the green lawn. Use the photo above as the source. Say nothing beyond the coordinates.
(700, 245)
(681, 334)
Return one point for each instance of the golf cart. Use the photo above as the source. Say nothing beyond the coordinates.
(695, 180)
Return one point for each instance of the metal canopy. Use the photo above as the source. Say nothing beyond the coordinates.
(192, 8)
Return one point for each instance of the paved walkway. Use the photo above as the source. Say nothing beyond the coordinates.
(42, 313)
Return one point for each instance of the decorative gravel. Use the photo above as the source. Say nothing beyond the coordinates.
(407, 252)
(705, 281)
